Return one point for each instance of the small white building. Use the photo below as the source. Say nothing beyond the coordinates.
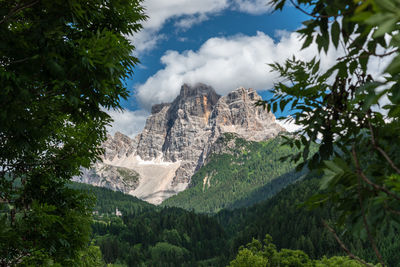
(118, 212)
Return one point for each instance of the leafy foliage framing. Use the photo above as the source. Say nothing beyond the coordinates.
(342, 109)
(62, 64)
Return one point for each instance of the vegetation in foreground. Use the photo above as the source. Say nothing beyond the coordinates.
(352, 112)
(62, 65)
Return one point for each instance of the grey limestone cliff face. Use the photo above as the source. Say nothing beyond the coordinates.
(237, 113)
(118, 146)
(151, 140)
(178, 137)
(177, 131)
(112, 177)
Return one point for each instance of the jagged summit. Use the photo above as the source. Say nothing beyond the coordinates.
(202, 97)
(199, 89)
(198, 101)
(158, 107)
(177, 137)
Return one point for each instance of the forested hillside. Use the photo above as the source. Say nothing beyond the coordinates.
(293, 226)
(157, 236)
(150, 235)
(239, 173)
(107, 200)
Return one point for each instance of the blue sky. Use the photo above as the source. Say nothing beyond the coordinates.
(223, 43)
(223, 24)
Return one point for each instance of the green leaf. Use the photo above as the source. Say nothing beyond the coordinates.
(297, 143)
(275, 107)
(386, 27)
(300, 166)
(388, 5)
(307, 22)
(304, 140)
(282, 104)
(353, 66)
(320, 42)
(315, 68)
(363, 59)
(362, 16)
(325, 42)
(335, 33)
(307, 42)
(331, 165)
(394, 66)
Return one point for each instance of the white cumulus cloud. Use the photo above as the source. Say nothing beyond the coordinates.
(254, 7)
(224, 63)
(188, 21)
(186, 13)
(227, 63)
(127, 122)
(160, 11)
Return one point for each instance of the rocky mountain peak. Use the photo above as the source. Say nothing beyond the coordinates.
(198, 100)
(121, 137)
(197, 90)
(158, 107)
(117, 146)
(242, 94)
(178, 137)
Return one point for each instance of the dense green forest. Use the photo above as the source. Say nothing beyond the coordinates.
(293, 226)
(266, 254)
(241, 174)
(150, 235)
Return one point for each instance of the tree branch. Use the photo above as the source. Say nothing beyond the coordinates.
(309, 14)
(17, 9)
(342, 245)
(365, 222)
(19, 61)
(364, 177)
(367, 52)
(374, 143)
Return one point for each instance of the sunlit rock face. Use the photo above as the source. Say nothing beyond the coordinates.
(177, 139)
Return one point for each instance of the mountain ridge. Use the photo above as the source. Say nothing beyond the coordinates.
(178, 136)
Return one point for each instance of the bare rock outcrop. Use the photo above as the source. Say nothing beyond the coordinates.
(237, 113)
(118, 146)
(112, 177)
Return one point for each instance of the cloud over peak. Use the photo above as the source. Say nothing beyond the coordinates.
(225, 63)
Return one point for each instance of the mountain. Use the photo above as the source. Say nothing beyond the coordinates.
(177, 140)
